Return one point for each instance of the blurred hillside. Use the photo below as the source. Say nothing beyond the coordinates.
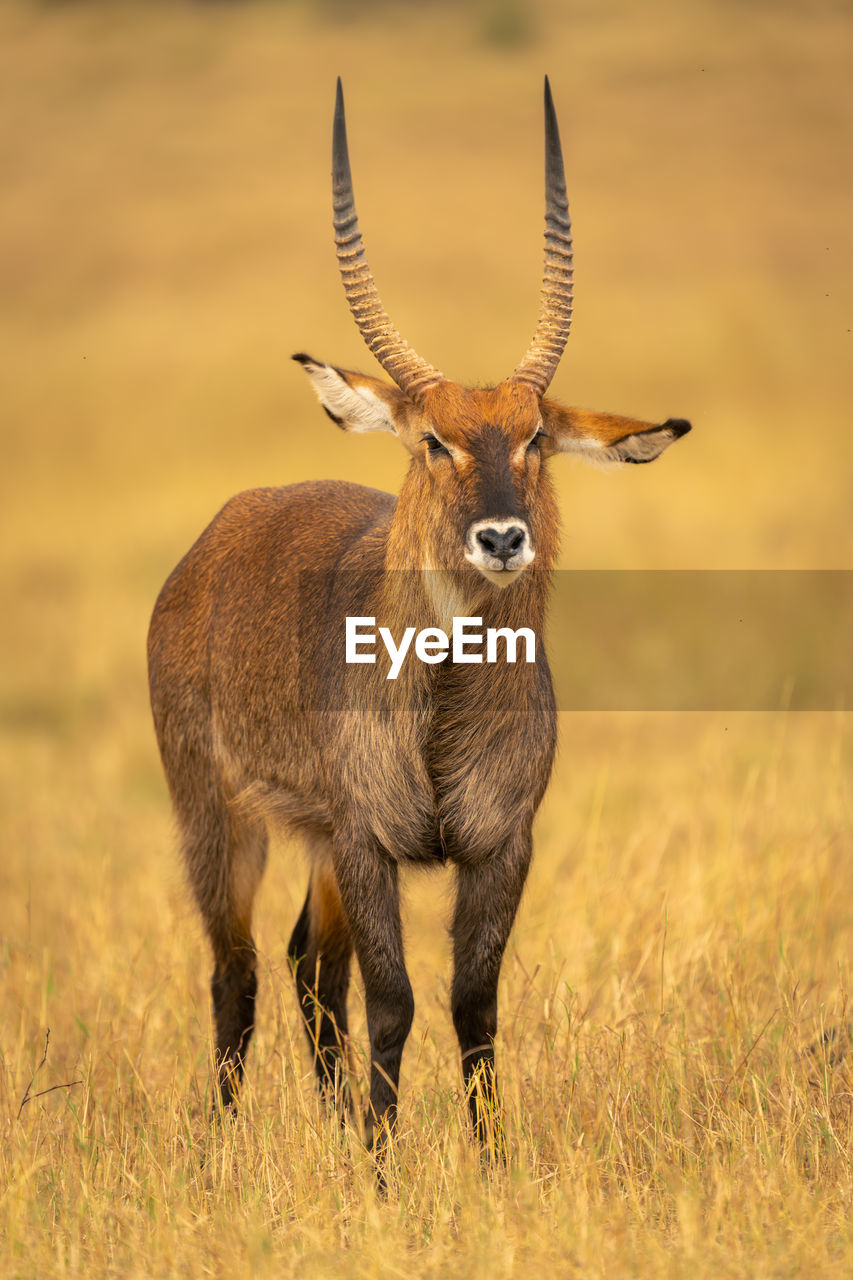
(165, 244)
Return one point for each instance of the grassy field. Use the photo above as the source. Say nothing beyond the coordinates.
(675, 1027)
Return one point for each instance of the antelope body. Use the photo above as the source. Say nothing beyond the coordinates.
(258, 716)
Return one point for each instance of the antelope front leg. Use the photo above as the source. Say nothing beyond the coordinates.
(487, 897)
(371, 899)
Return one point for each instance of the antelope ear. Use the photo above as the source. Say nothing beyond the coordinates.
(355, 402)
(607, 438)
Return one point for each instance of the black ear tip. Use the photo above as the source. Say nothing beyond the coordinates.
(678, 426)
(301, 358)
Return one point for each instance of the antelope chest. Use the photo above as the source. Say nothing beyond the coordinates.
(488, 782)
(458, 788)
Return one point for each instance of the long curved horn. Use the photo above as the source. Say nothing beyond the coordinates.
(543, 355)
(411, 374)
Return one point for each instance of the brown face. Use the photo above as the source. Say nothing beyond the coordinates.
(487, 499)
(483, 452)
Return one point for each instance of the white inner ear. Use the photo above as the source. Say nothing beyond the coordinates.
(358, 408)
(645, 446)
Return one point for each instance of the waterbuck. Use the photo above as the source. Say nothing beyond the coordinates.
(259, 717)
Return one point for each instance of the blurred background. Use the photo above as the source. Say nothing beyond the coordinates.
(165, 245)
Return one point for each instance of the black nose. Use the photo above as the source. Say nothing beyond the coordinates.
(501, 544)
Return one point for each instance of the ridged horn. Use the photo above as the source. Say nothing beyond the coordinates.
(411, 374)
(543, 355)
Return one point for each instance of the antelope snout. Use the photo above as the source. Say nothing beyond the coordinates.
(499, 548)
(503, 544)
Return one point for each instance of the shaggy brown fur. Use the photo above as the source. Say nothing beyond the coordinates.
(258, 715)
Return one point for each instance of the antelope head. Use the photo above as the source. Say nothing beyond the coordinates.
(477, 478)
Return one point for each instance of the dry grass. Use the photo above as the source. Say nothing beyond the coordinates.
(673, 1045)
(675, 1029)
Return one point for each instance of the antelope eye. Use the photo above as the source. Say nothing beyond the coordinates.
(538, 438)
(434, 445)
